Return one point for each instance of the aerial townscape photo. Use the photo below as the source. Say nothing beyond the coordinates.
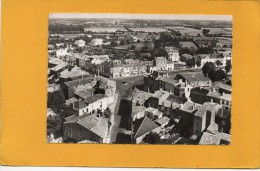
(139, 79)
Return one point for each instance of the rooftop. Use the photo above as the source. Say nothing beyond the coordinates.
(162, 120)
(221, 85)
(143, 126)
(79, 105)
(194, 77)
(79, 82)
(169, 80)
(97, 125)
(176, 99)
(94, 98)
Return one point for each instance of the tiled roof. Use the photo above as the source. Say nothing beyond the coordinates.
(143, 126)
(222, 86)
(97, 125)
(194, 77)
(176, 99)
(200, 90)
(214, 139)
(79, 82)
(79, 105)
(151, 109)
(94, 98)
(74, 73)
(168, 80)
(137, 109)
(210, 139)
(162, 120)
(190, 106)
(60, 66)
(71, 100)
(83, 94)
(213, 128)
(207, 106)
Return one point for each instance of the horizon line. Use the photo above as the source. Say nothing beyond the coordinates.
(140, 16)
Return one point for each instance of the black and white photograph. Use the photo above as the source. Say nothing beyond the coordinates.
(139, 79)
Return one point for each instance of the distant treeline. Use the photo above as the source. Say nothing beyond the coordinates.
(57, 29)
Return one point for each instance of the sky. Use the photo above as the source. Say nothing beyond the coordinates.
(142, 16)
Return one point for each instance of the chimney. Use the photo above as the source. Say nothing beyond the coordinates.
(214, 90)
(211, 101)
(223, 94)
(160, 88)
(180, 80)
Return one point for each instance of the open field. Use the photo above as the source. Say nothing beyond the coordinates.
(149, 29)
(188, 44)
(218, 31)
(185, 30)
(104, 29)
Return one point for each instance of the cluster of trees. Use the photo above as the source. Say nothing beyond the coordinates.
(205, 32)
(55, 100)
(214, 74)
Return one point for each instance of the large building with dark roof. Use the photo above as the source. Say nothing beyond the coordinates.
(93, 128)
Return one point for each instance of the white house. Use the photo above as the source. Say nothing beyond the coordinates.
(97, 42)
(80, 43)
(173, 54)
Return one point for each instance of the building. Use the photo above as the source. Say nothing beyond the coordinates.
(213, 137)
(222, 87)
(195, 79)
(167, 83)
(202, 95)
(122, 68)
(160, 63)
(53, 87)
(173, 54)
(186, 114)
(138, 112)
(91, 104)
(153, 113)
(204, 117)
(69, 87)
(142, 127)
(86, 127)
(97, 42)
(73, 74)
(79, 43)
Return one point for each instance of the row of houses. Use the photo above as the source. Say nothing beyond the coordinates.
(188, 118)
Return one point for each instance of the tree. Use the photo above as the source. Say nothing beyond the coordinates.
(138, 41)
(122, 42)
(218, 63)
(152, 138)
(208, 68)
(190, 62)
(56, 100)
(220, 75)
(205, 32)
(205, 50)
(113, 44)
(228, 66)
(198, 62)
(132, 47)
